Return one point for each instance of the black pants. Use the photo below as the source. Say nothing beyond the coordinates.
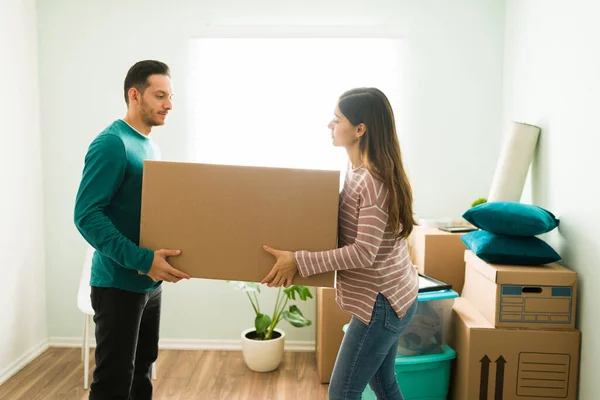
(127, 325)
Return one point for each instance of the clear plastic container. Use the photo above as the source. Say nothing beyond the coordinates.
(428, 330)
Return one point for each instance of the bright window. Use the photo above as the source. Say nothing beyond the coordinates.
(267, 101)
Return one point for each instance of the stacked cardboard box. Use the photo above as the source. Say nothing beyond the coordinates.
(330, 321)
(514, 333)
(439, 254)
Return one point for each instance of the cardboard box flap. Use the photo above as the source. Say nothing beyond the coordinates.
(552, 274)
(480, 266)
(469, 315)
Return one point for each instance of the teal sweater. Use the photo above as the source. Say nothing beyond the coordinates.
(108, 206)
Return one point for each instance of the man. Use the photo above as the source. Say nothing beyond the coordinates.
(125, 279)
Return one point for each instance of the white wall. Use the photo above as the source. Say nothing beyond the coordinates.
(453, 102)
(22, 298)
(552, 64)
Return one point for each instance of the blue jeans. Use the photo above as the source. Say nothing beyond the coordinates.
(368, 353)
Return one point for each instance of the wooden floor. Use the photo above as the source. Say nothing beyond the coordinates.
(202, 375)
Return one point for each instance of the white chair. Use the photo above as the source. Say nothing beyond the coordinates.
(84, 303)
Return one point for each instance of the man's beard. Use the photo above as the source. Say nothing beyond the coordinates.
(147, 115)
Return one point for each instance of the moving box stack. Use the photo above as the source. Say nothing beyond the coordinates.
(439, 255)
(514, 324)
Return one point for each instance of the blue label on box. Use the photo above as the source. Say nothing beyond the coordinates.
(536, 304)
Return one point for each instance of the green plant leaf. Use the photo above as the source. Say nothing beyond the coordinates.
(302, 291)
(290, 292)
(479, 201)
(295, 317)
(252, 287)
(294, 309)
(245, 286)
(261, 323)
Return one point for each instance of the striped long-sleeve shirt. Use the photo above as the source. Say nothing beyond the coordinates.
(369, 259)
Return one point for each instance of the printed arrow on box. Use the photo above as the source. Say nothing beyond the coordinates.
(485, 372)
(500, 362)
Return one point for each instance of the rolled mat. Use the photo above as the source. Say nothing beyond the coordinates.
(517, 152)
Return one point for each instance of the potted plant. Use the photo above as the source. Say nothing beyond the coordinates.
(262, 345)
(481, 200)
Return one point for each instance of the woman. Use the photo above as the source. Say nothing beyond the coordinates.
(376, 281)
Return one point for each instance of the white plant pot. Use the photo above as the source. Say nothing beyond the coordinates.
(263, 355)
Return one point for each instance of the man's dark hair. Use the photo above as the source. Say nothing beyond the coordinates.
(138, 74)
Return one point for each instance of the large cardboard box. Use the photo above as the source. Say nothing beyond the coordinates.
(511, 364)
(439, 254)
(542, 297)
(220, 216)
(330, 321)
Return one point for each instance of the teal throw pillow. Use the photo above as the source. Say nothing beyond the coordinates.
(511, 218)
(509, 250)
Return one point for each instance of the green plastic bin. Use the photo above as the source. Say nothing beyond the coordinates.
(424, 377)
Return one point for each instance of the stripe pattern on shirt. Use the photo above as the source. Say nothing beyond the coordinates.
(369, 259)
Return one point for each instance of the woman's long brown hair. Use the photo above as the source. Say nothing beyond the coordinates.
(380, 151)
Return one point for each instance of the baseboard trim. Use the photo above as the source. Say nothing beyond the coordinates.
(189, 344)
(23, 361)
